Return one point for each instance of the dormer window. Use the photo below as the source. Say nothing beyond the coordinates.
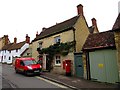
(57, 39)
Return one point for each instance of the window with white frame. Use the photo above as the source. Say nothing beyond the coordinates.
(9, 58)
(57, 39)
(16, 50)
(57, 60)
(4, 57)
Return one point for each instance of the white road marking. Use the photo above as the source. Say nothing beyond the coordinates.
(61, 86)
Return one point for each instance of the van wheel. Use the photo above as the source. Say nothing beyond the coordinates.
(25, 73)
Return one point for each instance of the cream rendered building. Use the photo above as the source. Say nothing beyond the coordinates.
(72, 30)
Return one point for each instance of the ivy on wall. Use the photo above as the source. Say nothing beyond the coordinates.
(59, 48)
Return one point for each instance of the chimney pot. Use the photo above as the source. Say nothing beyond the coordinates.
(6, 39)
(36, 33)
(27, 39)
(80, 9)
(15, 40)
(43, 29)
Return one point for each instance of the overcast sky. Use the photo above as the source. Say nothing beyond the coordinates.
(21, 17)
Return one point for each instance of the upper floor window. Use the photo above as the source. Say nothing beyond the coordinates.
(16, 50)
(40, 45)
(9, 51)
(57, 39)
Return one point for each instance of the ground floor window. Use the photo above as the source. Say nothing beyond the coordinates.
(57, 60)
(9, 58)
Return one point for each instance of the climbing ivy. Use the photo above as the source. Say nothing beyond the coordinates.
(59, 48)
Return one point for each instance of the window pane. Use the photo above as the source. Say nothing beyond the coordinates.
(57, 39)
(57, 60)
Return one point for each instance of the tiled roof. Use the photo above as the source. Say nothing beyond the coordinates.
(99, 40)
(6, 46)
(117, 23)
(13, 46)
(58, 28)
(16, 46)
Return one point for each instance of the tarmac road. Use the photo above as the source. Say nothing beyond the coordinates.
(21, 81)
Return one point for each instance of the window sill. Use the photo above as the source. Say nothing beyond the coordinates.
(58, 65)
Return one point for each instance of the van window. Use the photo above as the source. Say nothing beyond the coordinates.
(21, 63)
(29, 62)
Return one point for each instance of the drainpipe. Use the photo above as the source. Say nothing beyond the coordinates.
(74, 39)
(88, 66)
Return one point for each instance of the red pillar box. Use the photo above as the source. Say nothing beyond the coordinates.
(68, 67)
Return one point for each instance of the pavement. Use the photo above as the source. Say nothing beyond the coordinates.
(77, 83)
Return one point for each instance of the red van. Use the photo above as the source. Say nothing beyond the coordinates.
(28, 66)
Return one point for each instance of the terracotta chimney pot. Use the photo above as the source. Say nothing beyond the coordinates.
(36, 33)
(27, 39)
(15, 40)
(6, 39)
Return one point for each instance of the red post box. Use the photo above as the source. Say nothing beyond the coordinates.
(68, 67)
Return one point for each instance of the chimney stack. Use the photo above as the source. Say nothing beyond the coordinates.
(80, 9)
(6, 39)
(27, 39)
(94, 23)
(15, 40)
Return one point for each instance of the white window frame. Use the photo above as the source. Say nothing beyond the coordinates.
(16, 50)
(9, 58)
(57, 39)
(10, 51)
(58, 58)
(40, 45)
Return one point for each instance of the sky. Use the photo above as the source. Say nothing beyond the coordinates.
(21, 17)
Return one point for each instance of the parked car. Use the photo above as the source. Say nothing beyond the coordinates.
(28, 66)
